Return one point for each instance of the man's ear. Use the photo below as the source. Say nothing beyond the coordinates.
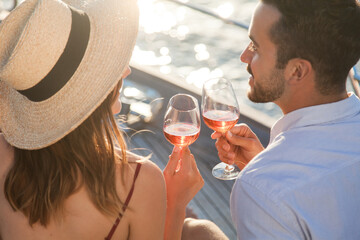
(297, 70)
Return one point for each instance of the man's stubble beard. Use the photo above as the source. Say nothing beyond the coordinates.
(270, 89)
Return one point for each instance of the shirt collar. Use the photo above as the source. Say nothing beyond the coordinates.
(317, 114)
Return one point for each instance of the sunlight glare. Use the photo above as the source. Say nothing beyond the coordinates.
(201, 52)
(164, 51)
(225, 10)
(154, 18)
(197, 77)
(149, 58)
(182, 30)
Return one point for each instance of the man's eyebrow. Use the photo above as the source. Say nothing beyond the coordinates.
(253, 40)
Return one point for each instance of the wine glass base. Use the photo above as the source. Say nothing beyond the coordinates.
(220, 173)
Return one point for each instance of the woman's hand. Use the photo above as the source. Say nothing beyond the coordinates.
(239, 145)
(182, 184)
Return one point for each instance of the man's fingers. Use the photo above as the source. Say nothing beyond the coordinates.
(238, 140)
(226, 158)
(243, 130)
(222, 144)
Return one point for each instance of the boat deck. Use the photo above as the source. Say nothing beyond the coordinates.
(212, 201)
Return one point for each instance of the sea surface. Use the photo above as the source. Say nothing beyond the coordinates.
(191, 45)
(194, 46)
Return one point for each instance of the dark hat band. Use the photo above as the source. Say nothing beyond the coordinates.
(68, 62)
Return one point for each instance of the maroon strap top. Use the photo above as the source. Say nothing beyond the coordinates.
(117, 221)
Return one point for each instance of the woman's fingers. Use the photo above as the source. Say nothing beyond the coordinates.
(193, 164)
(184, 155)
(173, 160)
(183, 184)
(186, 161)
(216, 135)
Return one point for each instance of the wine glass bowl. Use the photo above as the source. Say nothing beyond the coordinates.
(220, 120)
(182, 120)
(220, 111)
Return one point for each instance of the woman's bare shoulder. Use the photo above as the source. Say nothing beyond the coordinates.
(150, 173)
(145, 161)
(147, 206)
(149, 170)
(148, 201)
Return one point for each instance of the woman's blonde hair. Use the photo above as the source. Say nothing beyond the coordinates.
(41, 180)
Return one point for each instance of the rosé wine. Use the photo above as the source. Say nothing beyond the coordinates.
(181, 134)
(219, 120)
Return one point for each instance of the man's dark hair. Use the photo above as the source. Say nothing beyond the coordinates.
(324, 32)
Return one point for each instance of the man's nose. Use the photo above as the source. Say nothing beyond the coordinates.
(246, 55)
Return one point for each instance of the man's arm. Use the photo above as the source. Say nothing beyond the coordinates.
(257, 216)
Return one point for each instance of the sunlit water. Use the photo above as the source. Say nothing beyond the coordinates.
(190, 45)
(181, 42)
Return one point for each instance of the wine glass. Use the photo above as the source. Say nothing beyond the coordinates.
(182, 121)
(220, 111)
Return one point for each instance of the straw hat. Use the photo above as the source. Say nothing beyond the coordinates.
(58, 62)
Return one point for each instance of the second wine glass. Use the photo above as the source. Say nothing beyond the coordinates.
(220, 112)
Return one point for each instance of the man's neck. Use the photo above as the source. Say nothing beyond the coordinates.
(298, 101)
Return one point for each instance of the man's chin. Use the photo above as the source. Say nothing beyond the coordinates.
(251, 95)
(254, 97)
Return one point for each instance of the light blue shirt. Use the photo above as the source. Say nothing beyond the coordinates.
(306, 183)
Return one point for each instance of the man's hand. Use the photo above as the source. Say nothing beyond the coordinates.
(239, 145)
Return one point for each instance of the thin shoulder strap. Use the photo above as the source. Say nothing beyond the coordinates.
(117, 221)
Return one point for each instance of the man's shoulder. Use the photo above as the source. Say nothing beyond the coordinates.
(281, 171)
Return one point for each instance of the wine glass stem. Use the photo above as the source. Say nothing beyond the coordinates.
(228, 168)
